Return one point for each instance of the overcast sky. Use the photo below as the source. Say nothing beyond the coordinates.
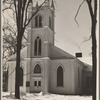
(69, 36)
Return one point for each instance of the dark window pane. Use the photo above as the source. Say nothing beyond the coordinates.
(39, 46)
(39, 83)
(50, 22)
(35, 83)
(59, 76)
(37, 69)
(27, 84)
(38, 21)
(35, 47)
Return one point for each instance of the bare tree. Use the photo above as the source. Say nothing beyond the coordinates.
(93, 15)
(22, 21)
(9, 40)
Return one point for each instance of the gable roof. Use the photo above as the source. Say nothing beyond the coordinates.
(57, 53)
(54, 53)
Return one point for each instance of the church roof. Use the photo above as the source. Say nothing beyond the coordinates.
(54, 53)
(57, 53)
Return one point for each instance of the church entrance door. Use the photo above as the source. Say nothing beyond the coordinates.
(37, 85)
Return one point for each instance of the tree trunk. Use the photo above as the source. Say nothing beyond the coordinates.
(17, 91)
(94, 56)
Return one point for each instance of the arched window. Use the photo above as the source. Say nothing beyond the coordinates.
(60, 76)
(21, 76)
(38, 21)
(50, 25)
(37, 46)
(37, 69)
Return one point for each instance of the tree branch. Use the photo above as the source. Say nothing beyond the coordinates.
(26, 13)
(78, 12)
(33, 15)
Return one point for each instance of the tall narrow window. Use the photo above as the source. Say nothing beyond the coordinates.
(38, 21)
(60, 76)
(37, 69)
(37, 46)
(50, 25)
(39, 50)
(21, 76)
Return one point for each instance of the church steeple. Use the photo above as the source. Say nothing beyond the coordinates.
(52, 4)
(37, 4)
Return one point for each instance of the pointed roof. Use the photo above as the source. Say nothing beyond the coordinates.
(37, 4)
(52, 4)
(57, 53)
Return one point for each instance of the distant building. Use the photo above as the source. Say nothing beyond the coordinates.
(45, 67)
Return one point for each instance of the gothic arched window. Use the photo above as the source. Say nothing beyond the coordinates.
(37, 69)
(37, 46)
(21, 76)
(60, 76)
(38, 21)
(50, 25)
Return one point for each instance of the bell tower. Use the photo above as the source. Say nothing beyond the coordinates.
(41, 29)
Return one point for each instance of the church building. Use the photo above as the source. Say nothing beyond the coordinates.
(45, 67)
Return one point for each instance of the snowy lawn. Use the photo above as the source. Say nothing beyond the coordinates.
(40, 96)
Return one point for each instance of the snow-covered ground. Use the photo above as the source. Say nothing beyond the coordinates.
(40, 96)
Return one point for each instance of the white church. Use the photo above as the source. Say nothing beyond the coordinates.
(45, 67)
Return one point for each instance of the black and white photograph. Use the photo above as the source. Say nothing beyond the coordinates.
(49, 49)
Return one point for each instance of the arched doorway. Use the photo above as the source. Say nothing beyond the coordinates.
(37, 79)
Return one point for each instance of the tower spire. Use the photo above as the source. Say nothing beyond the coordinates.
(52, 4)
(37, 4)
